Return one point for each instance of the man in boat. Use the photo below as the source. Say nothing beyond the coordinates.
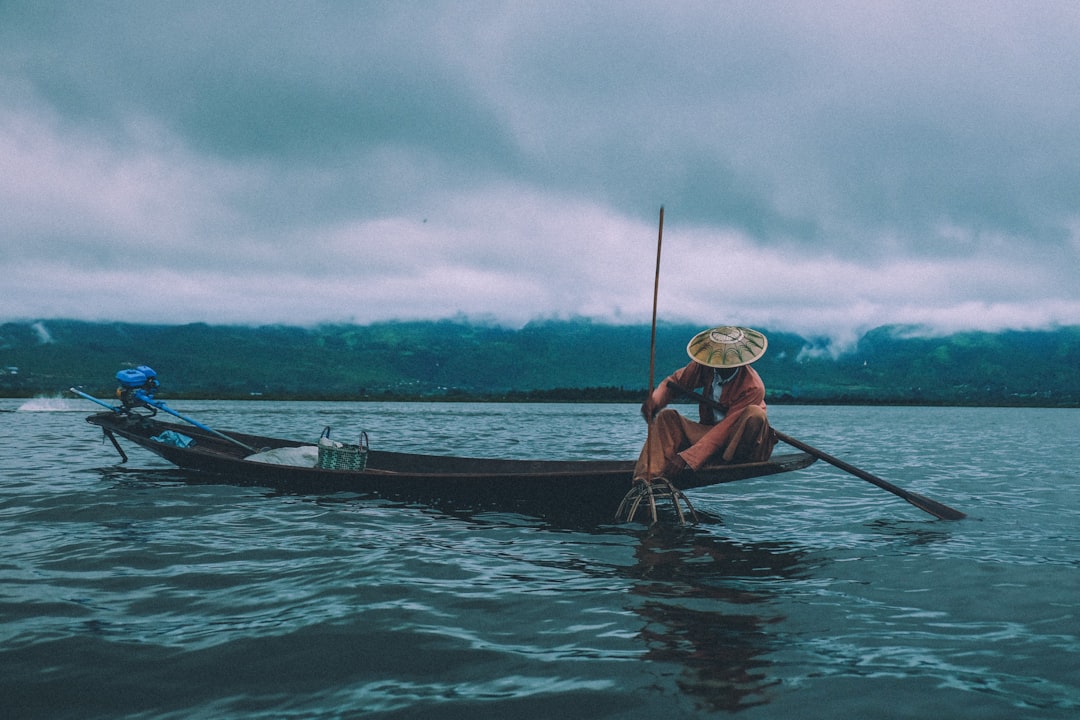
(738, 432)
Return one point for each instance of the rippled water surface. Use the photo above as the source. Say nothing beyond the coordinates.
(128, 592)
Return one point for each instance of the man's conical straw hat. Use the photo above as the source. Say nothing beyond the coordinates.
(727, 347)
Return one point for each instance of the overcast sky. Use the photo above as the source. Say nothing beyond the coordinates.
(825, 168)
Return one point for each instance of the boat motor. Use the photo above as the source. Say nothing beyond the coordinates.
(137, 386)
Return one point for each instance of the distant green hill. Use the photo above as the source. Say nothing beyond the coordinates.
(555, 360)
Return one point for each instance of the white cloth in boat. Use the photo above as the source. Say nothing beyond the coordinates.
(303, 456)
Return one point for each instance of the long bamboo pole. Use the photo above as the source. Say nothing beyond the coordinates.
(652, 343)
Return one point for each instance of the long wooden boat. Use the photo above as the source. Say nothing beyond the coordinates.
(585, 490)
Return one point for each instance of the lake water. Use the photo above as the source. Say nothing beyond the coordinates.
(128, 593)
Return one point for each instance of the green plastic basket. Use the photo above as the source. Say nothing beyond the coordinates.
(342, 456)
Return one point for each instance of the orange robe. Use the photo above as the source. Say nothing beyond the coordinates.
(743, 401)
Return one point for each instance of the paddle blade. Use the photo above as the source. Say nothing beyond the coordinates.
(939, 510)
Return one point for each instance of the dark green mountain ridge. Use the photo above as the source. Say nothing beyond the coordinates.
(548, 360)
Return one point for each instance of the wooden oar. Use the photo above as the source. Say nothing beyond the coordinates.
(938, 510)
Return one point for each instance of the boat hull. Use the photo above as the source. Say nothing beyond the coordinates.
(586, 488)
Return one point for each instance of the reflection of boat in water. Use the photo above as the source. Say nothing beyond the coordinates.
(704, 613)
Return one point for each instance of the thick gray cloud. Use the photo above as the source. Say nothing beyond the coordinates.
(825, 167)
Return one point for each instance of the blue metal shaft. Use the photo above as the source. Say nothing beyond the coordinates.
(147, 400)
(91, 398)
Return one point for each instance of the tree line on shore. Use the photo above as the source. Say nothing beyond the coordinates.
(558, 360)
